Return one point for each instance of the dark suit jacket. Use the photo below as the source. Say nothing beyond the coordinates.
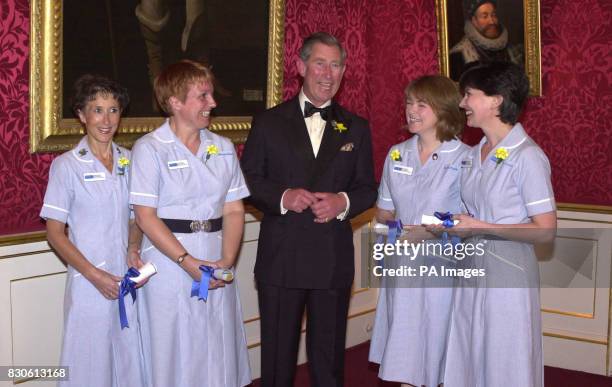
(293, 250)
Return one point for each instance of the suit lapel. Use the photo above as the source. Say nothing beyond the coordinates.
(330, 144)
(297, 136)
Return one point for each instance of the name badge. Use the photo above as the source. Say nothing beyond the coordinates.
(178, 164)
(403, 169)
(94, 176)
(467, 163)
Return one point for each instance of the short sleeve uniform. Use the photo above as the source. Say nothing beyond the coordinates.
(513, 190)
(93, 202)
(495, 335)
(179, 330)
(409, 338)
(412, 190)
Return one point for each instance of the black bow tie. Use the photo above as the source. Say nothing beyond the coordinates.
(310, 109)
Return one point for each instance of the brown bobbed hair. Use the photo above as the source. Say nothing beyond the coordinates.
(175, 80)
(442, 95)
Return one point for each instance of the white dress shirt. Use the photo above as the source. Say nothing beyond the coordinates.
(316, 127)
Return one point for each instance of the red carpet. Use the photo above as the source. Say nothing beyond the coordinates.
(360, 373)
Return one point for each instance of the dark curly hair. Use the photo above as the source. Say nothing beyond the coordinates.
(505, 79)
(88, 86)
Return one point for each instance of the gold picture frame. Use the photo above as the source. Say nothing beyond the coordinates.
(447, 12)
(51, 132)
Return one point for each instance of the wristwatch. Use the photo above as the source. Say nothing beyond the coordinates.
(181, 258)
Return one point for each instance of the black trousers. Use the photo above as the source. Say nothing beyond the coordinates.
(281, 310)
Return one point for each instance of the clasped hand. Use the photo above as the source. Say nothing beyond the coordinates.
(463, 229)
(324, 205)
(108, 284)
(192, 266)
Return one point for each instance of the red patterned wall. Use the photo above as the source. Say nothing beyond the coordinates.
(389, 42)
(23, 177)
(572, 121)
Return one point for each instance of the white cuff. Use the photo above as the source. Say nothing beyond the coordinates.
(283, 210)
(344, 213)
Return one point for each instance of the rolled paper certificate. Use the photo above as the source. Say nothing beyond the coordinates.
(429, 219)
(146, 271)
(223, 274)
(380, 228)
(128, 286)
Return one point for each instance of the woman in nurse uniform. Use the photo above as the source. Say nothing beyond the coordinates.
(495, 337)
(421, 176)
(186, 187)
(88, 191)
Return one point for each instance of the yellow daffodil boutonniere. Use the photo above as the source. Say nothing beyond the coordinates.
(500, 155)
(211, 150)
(122, 165)
(339, 126)
(396, 155)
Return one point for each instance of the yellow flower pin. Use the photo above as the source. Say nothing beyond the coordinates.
(501, 154)
(211, 150)
(339, 126)
(122, 163)
(396, 155)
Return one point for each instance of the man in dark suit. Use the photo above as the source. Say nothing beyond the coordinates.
(308, 164)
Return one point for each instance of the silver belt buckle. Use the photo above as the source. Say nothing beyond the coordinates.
(206, 226)
(195, 226)
(200, 225)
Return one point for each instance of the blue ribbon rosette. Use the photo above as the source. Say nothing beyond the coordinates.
(200, 288)
(127, 286)
(447, 222)
(208, 273)
(395, 229)
(446, 218)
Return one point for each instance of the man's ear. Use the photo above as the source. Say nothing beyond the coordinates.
(301, 66)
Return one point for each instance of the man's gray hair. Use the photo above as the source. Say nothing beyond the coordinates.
(323, 38)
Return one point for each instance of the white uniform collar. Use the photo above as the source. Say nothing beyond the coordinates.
(445, 147)
(165, 134)
(450, 146)
(83, 153)
(513, 139)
